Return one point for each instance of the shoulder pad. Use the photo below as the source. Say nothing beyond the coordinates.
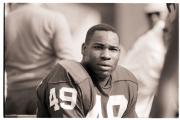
(64, 68)
(76, 70)
(58, 74)
(122, 73)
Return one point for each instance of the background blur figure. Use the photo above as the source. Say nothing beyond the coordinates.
(146, 58)
(166, 103)
(35, 39)
(78, 26)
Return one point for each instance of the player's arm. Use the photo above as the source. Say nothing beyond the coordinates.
(58, 96)
(42, 110)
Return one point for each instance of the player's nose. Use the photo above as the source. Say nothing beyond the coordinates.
(105, 54)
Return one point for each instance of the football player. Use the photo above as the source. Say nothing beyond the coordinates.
(94, 88)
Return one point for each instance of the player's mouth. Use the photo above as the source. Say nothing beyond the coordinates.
(104, 67)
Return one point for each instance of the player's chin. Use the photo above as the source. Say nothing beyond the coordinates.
(104, 74)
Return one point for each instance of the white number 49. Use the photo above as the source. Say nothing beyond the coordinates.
(71, 98)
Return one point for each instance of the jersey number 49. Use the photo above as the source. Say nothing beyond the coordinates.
(67, 95)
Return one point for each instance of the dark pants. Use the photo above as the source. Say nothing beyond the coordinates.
(21, 102)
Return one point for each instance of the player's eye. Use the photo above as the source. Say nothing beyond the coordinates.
(98, 47)
(114, 49)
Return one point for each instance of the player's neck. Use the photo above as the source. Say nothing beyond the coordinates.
(94, 77)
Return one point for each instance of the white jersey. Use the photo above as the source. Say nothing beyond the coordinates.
(145, 60)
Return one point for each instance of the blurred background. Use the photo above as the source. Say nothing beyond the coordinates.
(129, 19)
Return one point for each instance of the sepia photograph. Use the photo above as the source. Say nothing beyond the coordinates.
(91, 60)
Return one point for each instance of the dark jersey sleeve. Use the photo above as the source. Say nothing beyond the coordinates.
(60, 96)
(130, 112)
(133, 93)
(122, 74)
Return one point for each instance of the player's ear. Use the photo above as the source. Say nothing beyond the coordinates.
(83, 49)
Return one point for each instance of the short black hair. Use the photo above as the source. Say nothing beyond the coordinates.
(99, 27)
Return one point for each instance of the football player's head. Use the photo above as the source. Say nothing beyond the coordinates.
(101, 50)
